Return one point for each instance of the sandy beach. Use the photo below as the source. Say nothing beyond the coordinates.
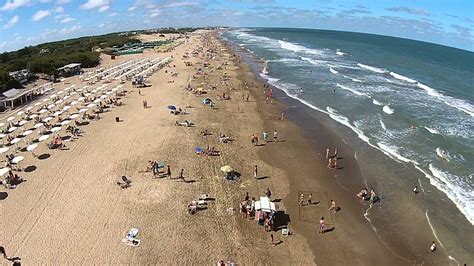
(71, 211)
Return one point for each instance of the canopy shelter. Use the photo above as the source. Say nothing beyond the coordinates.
(11, 97)
(265, 205)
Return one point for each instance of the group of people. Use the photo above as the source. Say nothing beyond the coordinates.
(365, 195)
(11, 180)
(332, 159)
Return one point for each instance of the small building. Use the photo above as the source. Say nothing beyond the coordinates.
(21, 76)
(69, 70)
(16, 97)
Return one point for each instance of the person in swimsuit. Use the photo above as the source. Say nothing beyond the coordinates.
(321, 225)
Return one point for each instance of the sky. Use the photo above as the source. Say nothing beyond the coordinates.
(30, 22)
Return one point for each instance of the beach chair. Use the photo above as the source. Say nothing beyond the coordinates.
(285, 232)
(130, 238)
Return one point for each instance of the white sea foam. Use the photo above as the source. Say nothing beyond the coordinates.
(386, 109)
(382, 125)
(461, 194)
(376, 102)
(459, 104)
(333, 70)
(432, 130)
(351, 90)
(298, 48)
(353, 79)
(401, 77)
(392, 152)
(442, 154)
(338, 52)
(314, 61)
(371, 68)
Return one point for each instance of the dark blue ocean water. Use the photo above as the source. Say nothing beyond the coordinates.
(412, 101)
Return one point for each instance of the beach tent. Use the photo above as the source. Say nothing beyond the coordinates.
(264, 204)
(207, 101)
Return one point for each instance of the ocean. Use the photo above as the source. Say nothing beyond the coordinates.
(412, 101)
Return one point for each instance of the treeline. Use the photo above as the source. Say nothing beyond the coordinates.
(47, 57)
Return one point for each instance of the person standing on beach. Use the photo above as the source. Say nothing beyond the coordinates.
(302, 200)
(415, 190)
(327, 153)
(181, 174)
(333, 206)
(275, 135)
(3, 252)
(265, 136)
(273, 240)
(433, 247)
(169, 171)
(321, 225)
(282, 116)
(255, 172)
(310, 199)
(248, 95)
(329, 163)
(335, 153)
(268, 193)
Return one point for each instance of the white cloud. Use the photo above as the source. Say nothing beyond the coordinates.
(46, 1)
(41, 14)
(58, 10)
(67, 20)
(14, 4)
(62, 2)
(102, 25)
(103, 8)
(132, 8)
(14, 20)
(181, 4)
(71, 29)
(155, 14)
(3, 44)
(90, 4)
(113, 14)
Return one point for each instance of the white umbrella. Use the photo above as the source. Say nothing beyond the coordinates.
(27, 132)
(4, 149)
(38, 125)
(33, 116)
(42, 111)
(15, 140)
(47, 119)
(81, 99)
(4, 170)
(11, 118)
(91, 105)
(32, 147)
(43, 138)
(20, 113)
(66, 97)
(22, 122)
(74, 102)
(87, 94)
(2, 135)
(114, 89)
(12, 129)
(60, 92)
(79, 90)
(55, 129)
(67, 107)
(74, 116)
(85, 87)
(58, 113)
(103, 96)
(50, 106)
(29, 108)
(52, 96)
(73, 93)
(58, 101)
(37, 104)
(109, 92)
(94, 91)
(97, 101)
(2, 124)
(83, 110)
(65, 122)
(17, 159)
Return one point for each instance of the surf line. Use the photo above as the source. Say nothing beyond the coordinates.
(437, 239)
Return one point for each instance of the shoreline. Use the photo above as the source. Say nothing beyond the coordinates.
(315, 131)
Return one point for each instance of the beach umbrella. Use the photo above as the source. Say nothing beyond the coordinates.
(20, 113)
(81, 99)
(43, 138)
(91, 105)
(37, 104)
(114, 89)
(12, 129)
(38, 125)
(74, 116)
(103, 96)
(58, 113)
(2, 124)
(15, 140)
(27, 132)
(226, 169)
(4, 170)
(65, 122)
(2, 135)
(60, 92)
(85, 87)
(47, 119)
(17, 159)
(74, 102)
(87, 94)
(109, 92)
(66, 97)
(50, 106)
(29, 108)
(11, 118)
(56, 129)
(97, 101)
(83, 110)
(4, 149)
(32, 147)
(67, 107)
(42, 111)
(171, 107)
(73, 93)
(52, 96)
(58, 101)
(22, 122)
(33, 116)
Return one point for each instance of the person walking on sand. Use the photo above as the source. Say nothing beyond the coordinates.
(335, 153)
(327, 153)
(268, 193)
(415, 190)
(275, 135)
(282, 116)
(181, 174)
(333, 206)
(248, 95)
(433, 247)
(273, 240)
(255, 172)
(321, 225)
(3, 252)
(168, 172)
(139, 92)
(310, 199)
(329, 163)
(301, 199)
